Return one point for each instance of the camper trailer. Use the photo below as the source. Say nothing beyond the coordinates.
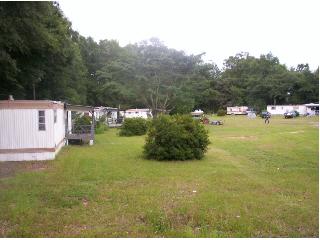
(242, 110)
(138, 113)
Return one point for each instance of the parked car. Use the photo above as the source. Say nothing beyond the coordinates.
(265, 114)
(216, 122)
(290, 114)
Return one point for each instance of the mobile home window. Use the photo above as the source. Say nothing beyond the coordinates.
(55, 115)
(273, 108)
(42, 121)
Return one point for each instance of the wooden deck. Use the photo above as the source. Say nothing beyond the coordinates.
(80, 134)
(84, 137)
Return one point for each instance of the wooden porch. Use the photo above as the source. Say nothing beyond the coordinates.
(80, 133)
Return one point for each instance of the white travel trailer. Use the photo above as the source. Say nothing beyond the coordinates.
(140, 113)
(242, 110)
(31, 130)
(282, 109)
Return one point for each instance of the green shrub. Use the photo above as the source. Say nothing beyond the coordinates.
(101, 125)
(83, 120)
(176, 137)
(101, 128)
(133, 127)
(102, 119)
(297, 113)
(221, 112)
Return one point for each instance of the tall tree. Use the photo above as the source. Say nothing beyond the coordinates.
(39, 56)
(42, 57)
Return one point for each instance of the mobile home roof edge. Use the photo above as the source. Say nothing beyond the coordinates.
(30, 104)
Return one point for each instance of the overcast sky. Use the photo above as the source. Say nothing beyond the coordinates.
(221, 28)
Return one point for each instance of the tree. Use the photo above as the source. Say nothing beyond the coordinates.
(163, 72)
(39, 56)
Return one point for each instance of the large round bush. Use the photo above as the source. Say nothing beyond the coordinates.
(177, 137)
(133, 127)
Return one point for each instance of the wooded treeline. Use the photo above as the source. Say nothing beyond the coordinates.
(42, 57)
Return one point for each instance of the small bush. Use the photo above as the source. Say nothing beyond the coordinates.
(102, 119)
(297, 113)
(101, 128)
(83, 120)
(221, 112)
(101, 125)
(176, 137)
(133, 127)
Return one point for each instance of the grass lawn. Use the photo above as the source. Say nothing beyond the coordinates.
(256, 180)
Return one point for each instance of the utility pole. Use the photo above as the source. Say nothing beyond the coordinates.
(34, 87)
(34, 90)
(118, 114)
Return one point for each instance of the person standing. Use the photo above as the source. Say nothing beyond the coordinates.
(266, 120)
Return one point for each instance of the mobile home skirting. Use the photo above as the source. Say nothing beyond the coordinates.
(30, 154)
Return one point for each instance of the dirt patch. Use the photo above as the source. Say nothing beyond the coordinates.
(5, 228)
(74, 229)
(295, 132)
(9, 169)
(242, 137)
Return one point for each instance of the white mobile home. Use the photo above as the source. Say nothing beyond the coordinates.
(282, 109)
(110, 113)
(242, 110)
(138, 113)
(31, 130)
(38, 129)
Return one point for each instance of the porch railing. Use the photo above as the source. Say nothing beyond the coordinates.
(81, 129)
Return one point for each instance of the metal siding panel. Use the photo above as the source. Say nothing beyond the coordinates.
(59, 127)
(19, 129)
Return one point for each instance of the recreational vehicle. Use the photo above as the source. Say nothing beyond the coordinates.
(138, 113)
(242, 110)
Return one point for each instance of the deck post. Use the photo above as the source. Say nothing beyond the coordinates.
(66, 124)
(92, 129)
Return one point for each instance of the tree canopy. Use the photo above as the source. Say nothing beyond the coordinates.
(42, 57)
